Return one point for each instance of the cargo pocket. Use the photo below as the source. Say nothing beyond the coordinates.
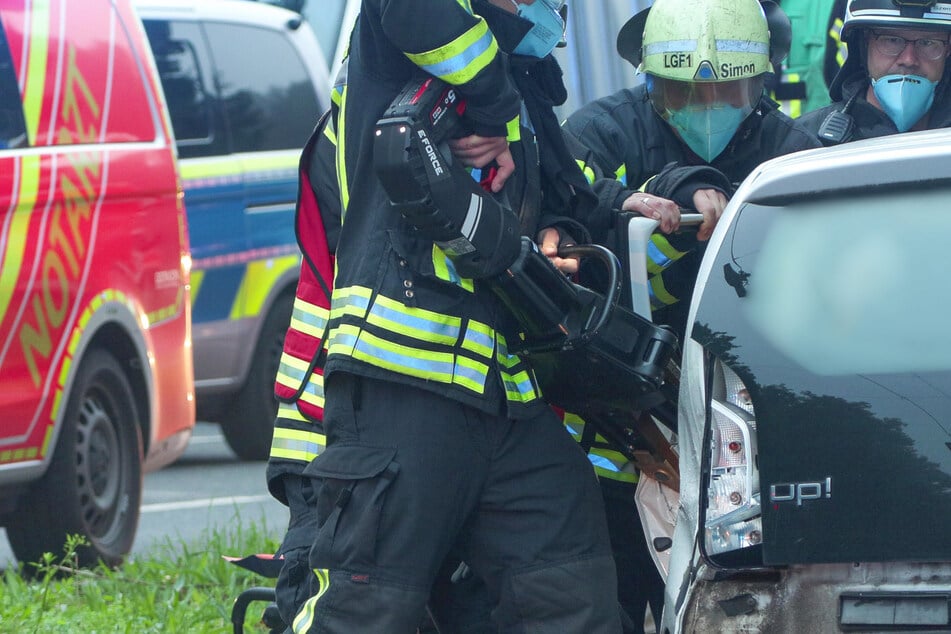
(355, 478)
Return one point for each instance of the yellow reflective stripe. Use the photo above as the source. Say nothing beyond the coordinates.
(257, 283)
(470, 374)
(418, 323)
(479, 338)
(308, 318)
(197, 277)
(305, 618)
(16, 241)
(513, 130)
(352, 300)
(36, 72)
(293, 372)
(587, 171)
(341, 154)
(660, 293)
(518, 387)
(446, 270)
(463, 58)
(253, 166)
(364, 346)
(294, 444)
(621, 174)
(289, 411)
(661, 254)
(620, 476)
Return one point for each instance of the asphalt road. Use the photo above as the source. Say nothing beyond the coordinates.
(207, 489)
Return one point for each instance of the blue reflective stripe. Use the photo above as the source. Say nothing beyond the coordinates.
(309, 318)
(469, 373)
(460, 61)
(479, 342)
(604, 463)
(657, 256)
(292, 372)
(427, 366)
(450, 331)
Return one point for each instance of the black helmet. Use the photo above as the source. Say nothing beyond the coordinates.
(926, 15)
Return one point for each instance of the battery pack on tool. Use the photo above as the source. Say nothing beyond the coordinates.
(590, 354)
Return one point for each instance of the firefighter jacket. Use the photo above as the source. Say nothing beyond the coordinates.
(399, 311)
(298, 435)
(624, 137)
(869, 121)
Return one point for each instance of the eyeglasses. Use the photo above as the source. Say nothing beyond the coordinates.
(893, 46)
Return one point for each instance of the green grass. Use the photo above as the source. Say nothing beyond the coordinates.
(180, 587)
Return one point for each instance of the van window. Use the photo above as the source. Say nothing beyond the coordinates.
(183, 64)
(12, 123)
(267, 94)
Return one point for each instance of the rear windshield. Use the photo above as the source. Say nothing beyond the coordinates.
(857, 284)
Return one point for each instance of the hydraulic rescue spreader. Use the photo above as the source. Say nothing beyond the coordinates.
(591, 355)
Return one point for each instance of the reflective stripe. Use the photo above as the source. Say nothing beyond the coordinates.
(621, 174)
(364, 346)
(417, 323)
(446, 270)
(670, 46)
(289, 411)
(661, 254)
(462, 59)
(479, 338)
(587, 171)
(660, 297)
(341, 154)
(305, 618)
(308, 318)
(299, 445)
(742, 46)
(33, 85)
(293, 372)
(259, 280)
(513, 132)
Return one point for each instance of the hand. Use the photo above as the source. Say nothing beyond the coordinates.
(650, 206)
(479, 151)
(548, 242)
(710, 203)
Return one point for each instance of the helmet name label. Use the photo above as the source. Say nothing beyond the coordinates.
(678, 60)
(734, 71)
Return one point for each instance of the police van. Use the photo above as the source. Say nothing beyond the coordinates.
(245, 84)
(95, 359)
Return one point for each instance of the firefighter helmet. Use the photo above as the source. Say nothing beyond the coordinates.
(705, 40)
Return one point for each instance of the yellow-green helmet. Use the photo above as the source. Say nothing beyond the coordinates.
(698, 40)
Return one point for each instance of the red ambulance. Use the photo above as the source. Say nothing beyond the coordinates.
(96, 381)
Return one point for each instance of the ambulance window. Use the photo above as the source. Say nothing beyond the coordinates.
(269, 99)
(178, 49)
(12, 124)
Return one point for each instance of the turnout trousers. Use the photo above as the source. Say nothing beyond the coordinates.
(409, 477)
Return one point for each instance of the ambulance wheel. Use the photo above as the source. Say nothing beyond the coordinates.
(249, 423)
(93, 487)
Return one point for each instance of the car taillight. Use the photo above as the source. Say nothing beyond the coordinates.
(733, 500)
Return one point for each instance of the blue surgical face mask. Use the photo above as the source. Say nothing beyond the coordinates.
(548, 27)
(905, 98)
(707, 130)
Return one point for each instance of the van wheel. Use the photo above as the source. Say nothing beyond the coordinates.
(249, 423)
(93, 487)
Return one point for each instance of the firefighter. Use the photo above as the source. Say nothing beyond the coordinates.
(800, 84)
(438, 441)
(895, 78)
(696, 127)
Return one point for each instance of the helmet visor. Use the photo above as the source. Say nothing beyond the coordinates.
(670, 94)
